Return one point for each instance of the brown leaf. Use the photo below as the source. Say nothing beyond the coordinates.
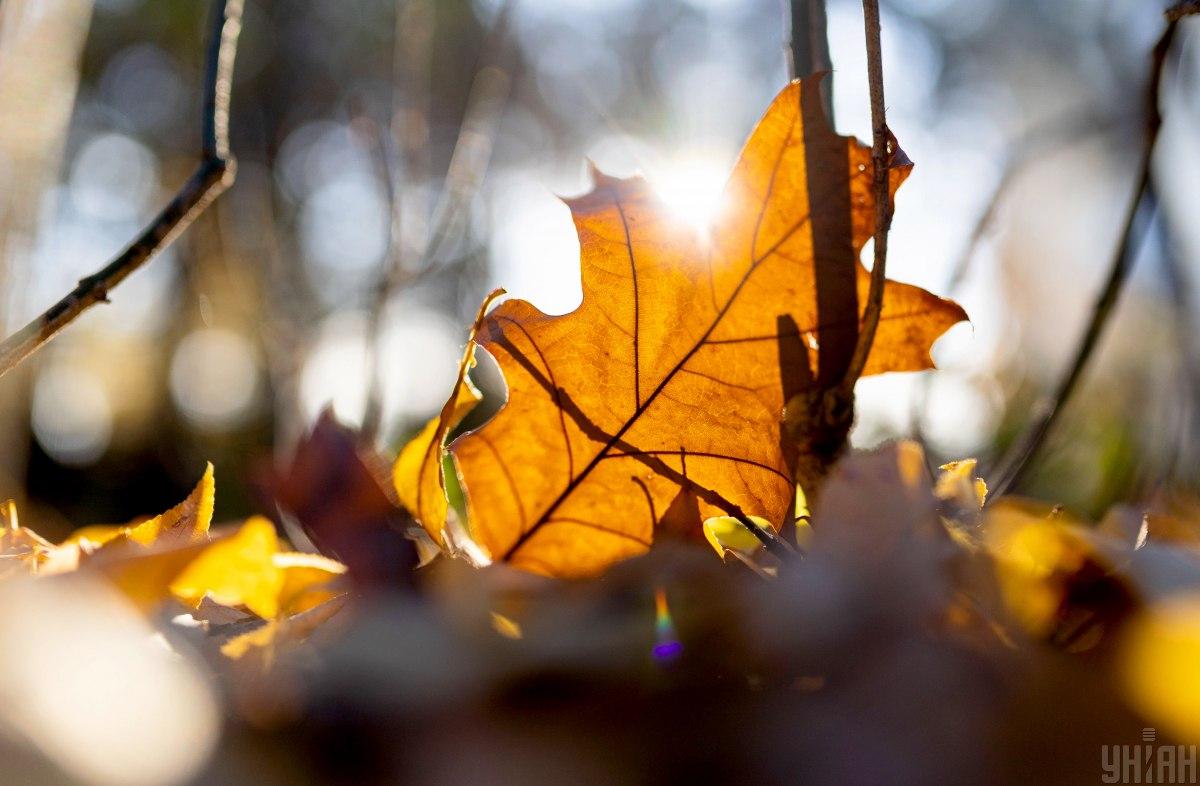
(335, 490)
(662, 396)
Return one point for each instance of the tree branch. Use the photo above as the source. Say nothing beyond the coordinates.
(880, 160)
(1016, 461)
(213, 175)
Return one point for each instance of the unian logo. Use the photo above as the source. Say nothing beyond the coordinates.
(1149, 763)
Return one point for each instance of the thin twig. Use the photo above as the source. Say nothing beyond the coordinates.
(768, 538)
(880, 138)
(808, 47)
(826, 414)
(1012, 468)
(213, 175)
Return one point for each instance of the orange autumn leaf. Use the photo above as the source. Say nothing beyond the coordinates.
(659, 402)
(417, 473)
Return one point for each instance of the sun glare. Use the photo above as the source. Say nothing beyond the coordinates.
(691, 186)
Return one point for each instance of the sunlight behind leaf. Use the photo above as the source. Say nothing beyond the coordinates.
(692, 186)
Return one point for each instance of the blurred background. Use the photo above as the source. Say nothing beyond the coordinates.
(397, 159)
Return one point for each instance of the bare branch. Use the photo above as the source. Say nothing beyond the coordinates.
(768, 538)
(213, 175)
(880, 159)
(1012, 468)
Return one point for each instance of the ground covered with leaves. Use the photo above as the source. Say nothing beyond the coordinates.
(917, 639)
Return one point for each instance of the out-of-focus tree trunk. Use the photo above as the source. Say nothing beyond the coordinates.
(808, 47)
(40, 46)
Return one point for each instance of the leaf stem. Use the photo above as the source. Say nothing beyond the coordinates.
(213, 174)
(1013, 466)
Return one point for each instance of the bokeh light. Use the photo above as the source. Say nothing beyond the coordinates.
(337, 370)
(86, 680)
(71, 415)
(113, 178)
(214, 378)
(344, 233)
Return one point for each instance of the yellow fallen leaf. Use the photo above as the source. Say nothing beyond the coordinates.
(1034, 556)
(726, 532)
(22, 551)
(259, 638)
(189, 520)
(237, 571)
(263, 643)
(957, 482)
(95, 534)
(1158, 665)
(418, 473)
(144, 573)
(247, 569)
(306, 580)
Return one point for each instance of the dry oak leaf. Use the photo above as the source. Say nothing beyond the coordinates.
(659, 401)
